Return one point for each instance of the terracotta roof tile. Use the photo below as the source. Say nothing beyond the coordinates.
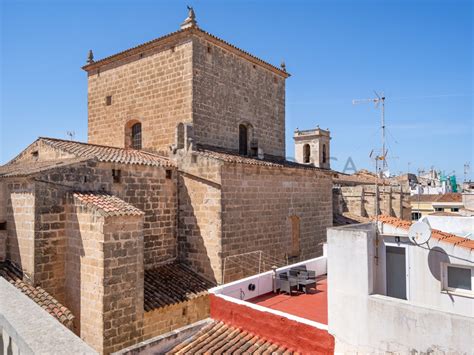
(107, 205)
(233, 157)
(188, 31)
(172, 283)
(220, 338)
(435, 233)
(28, 168)
(107, 154)
(37, 294)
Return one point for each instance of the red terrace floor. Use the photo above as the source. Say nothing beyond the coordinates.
(312, 306)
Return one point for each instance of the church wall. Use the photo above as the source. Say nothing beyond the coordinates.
(260, 207)
(229, 90)
(155, 90)
(199, 231)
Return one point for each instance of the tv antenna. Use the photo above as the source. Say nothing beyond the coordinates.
(71, 135)
(378, 101)
(467, 167)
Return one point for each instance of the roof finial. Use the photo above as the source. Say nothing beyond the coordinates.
(90, 57)
(283, 65)
(190, 20)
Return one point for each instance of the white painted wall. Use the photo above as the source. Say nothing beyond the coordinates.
(360, 320)
(264, 282)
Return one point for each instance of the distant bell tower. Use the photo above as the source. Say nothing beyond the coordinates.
(312, 147)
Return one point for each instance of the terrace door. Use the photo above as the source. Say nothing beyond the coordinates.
(396, 272)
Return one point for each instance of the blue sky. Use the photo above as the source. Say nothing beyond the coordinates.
(419, 53)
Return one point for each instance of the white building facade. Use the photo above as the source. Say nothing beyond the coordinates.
(386, 294)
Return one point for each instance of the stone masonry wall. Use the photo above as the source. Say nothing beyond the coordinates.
(154, 90)
(259, 205)
(166, 319)
(199, 231)
(20, 218)
(123, 282)
(229, 90)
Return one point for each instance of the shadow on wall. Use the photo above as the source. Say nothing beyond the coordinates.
(74, 253)
(192, 248)
(436, 257)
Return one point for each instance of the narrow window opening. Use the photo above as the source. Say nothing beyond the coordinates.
(85, 178)
(180, 134)
(306, 153)
(108, 100)
(169, 174)
(137, 136)
(35, 155)
(3, 226)
(324, 153)
(116, 175)
(243, 139)
(208, 49)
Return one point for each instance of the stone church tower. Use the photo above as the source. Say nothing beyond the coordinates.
(312, 147)
(139, 98)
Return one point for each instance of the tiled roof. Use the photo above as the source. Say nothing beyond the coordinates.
(233, 157)
(107, 205)
(37, 294)
(437, 234)
(107, 154)
(220, 338)
(28, 167)
(448, 197)
(137, 49)
(172, 283)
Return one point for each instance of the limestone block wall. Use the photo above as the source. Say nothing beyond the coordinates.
(20, 217)
(259, 205)
(104, 287)
(154, 89)
(199, 222)
(149, 189)
(168, 318)
(123, 282)
(229, 90)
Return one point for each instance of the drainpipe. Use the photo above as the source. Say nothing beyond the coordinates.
(274, 269)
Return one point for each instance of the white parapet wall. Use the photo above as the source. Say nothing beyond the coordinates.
(26, 328)
(263, 282)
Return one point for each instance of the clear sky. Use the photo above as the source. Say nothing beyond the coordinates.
(419, 53)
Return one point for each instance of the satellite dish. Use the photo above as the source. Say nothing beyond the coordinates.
(419, 232)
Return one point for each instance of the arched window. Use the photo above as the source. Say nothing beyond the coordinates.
(180, 136)
(324, 153)
(306, 153)
(243, 139)
(136, 136)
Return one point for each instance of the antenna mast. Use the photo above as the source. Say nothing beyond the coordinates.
(377, 100)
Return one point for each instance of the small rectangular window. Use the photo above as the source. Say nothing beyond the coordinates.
(459, 278)
(455, 209)
(439, 209)
(116, 175)
(108, 100)
(169, 174)
(415, 216)
(3, 226)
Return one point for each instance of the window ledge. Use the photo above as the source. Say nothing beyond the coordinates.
(468, 294)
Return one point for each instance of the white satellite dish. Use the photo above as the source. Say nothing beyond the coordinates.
(419, 232)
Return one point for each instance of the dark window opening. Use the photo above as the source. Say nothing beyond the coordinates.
(415, 216)
(324, 153)
(243, 139)
(208, 49)
(169, 174)
(137, 136)
(3, 226)
(180, 136)
(108, 100)
(35, 155)
(454, 209)
(439, 209)
(85, 179)
(306, 153)
(459, 278)
(116, 175)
